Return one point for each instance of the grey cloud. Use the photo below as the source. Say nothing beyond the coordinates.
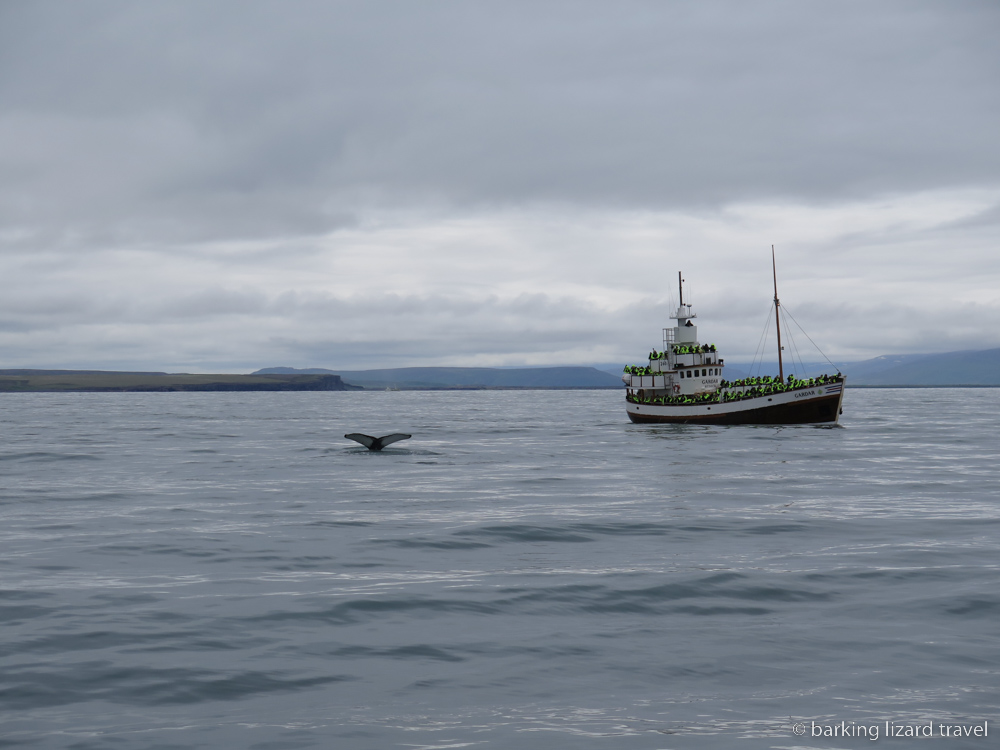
(249, 119)
(247, 331)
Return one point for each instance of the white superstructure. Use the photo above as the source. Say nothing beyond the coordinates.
(685, 367)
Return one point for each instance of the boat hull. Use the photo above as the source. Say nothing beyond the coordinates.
(818, 405)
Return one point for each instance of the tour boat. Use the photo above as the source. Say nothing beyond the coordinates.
(684, 383)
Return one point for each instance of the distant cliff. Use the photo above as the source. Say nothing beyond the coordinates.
(96, 381)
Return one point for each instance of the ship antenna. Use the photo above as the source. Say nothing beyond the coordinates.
(680, 287)
(777, 316)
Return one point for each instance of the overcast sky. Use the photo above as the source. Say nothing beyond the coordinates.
(223, 186)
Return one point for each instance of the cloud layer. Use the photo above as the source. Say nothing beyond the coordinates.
(231, 185)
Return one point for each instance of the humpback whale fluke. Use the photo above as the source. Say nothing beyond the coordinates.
(376, 443)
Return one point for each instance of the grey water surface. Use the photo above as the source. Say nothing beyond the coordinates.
(530, 570)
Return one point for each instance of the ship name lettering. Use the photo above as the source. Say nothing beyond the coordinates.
(805, 393)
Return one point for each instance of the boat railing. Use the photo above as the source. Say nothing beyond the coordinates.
(668, 338)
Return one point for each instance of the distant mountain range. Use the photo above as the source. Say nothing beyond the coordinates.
(424, 378)
(973, 368)
(980, 367)
(965, 368)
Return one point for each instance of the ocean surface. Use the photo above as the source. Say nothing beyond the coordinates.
(530, 570)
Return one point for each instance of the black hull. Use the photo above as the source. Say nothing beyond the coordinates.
(814, 411)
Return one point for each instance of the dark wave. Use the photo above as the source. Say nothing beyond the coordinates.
(46, 456)
(431, 544)
(526, 533)
(358, 610)
(27, 688)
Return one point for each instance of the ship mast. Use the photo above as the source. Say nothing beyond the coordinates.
(777, 316)
(680, 287)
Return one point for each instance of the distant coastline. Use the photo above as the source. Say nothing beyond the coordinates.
(290, 379)
(964, 369)
(467, 378)
(97, 381)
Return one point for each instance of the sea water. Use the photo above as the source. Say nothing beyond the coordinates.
(530, 570)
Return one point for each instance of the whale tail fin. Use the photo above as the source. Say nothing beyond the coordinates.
(377, 443)
(366, 440)
(393, 438)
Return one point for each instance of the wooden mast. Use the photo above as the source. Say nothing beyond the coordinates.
(777, 316)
